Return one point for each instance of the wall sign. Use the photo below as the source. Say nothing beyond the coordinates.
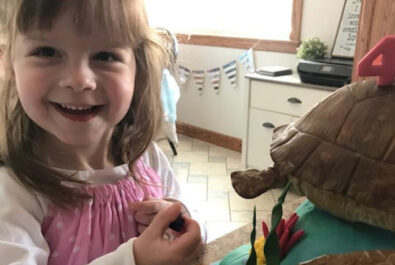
(346, 36)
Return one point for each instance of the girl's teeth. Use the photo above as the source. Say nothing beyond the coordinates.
(74, 107)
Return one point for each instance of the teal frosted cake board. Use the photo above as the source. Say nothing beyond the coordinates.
(325, 234)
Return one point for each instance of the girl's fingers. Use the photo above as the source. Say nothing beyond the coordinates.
(186, 245)
(141, 228)
(144, 218)
(152, 206)
(163, 219)
(190, 240)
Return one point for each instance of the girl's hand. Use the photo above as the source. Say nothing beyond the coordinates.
(146, 210)
(152, 248)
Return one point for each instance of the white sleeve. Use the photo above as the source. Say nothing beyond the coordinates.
(21, 240)
(157, 160)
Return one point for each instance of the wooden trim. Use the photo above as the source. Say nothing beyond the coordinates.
(226, 141)
(363, 44)
(297, 11)
(242, 43)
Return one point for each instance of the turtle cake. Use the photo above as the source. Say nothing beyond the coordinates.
(341, 155)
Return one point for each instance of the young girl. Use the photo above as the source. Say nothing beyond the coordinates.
(79, 176)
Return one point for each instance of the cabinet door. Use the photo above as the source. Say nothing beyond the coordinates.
(260, 132)
(285, 99)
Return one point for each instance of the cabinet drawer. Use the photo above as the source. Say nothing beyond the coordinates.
(293, 100)
(260, 136)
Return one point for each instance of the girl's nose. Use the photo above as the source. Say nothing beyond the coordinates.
(79, 77)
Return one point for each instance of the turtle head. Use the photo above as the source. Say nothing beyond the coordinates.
(251, 183)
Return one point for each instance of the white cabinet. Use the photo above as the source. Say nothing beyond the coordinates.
(271, 102)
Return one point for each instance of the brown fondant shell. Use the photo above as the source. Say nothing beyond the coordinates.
(341, 154)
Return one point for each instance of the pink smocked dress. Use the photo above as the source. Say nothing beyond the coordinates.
(83, 234)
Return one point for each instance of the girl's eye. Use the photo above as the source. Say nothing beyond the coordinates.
(45, 52)
(106, 56)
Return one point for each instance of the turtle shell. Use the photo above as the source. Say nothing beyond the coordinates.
(341, 154)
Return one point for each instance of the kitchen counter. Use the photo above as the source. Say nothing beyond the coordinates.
(289, 80)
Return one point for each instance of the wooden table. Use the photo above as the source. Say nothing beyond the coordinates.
(218, 248)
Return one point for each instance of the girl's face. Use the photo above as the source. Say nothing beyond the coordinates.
(76, 87)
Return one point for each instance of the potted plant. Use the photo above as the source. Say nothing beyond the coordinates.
(312, 49)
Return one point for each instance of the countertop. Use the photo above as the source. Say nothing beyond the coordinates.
(292, 79)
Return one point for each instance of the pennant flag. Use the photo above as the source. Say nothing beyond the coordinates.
(230, 71)
(214, 75)
(184, 74)
(247, 60)
(198, 75)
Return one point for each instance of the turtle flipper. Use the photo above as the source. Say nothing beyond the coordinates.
(252, 182)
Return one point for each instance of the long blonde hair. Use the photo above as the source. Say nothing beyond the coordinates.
(131, 137)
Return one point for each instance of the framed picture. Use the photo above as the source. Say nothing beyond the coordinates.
(346, 36)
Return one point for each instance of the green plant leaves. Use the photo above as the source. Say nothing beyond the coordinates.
(311, 49)
(252, 258)
(272, 246)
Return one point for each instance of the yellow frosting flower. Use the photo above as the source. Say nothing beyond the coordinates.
(258, 245)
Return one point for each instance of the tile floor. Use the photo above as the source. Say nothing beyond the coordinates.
(203, 170)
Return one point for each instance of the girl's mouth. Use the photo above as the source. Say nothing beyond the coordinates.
(78, 113)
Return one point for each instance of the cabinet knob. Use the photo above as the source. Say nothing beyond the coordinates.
(294, 100)
(268, 125)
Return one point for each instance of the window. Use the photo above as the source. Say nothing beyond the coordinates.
(262, 24)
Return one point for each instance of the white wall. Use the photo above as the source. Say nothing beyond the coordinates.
(223, 112)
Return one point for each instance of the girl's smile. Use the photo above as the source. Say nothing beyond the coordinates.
(78, 112)
(75, 86)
